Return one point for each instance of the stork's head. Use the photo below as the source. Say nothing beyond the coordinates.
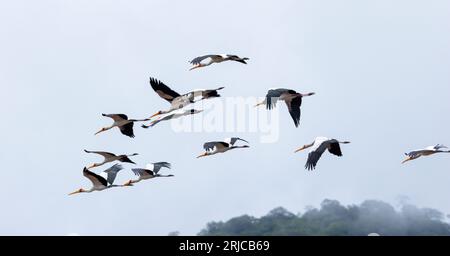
(101, 130)
(81, 190)
(204, 154)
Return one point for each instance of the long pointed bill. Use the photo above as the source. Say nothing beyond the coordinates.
(75, 192)
(128, 183)
(102, 130)
(259, 104)
(406, 160)
(300, 149)
(157, 113)
(202, 155)
(308, 94)
(194, 67)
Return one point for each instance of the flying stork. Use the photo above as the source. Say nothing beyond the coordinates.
(207, 60)
(151, 171)
(215, 147)
(178, 101)
(110, 157)
(123, 123)
(319, 146)
(98, 182)
(425, 152)
(292, 99)
(173, 116)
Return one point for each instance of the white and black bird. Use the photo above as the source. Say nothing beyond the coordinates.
(425, 152)
(178, 101)
(98, 182)
(206, 60)
(292, 99)
(151, 171)
(172, 116)
(319, 146)
(215, 147)
(110, 157)
(123, 123)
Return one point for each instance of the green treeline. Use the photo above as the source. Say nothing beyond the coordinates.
(332, 218)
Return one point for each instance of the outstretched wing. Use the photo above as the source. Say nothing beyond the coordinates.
(97, 180)
(294, 109)
(209, 146)
(142, 172)
(334, 148)
(127, 129)
(237, 58)
(198, 60)
(163, 90)
(203, 93)
(102, 153)
(126, 159)
(439, 147)
(419, 152)
(272, 97)
(116, 117)
(158, 165)
(112, 173)
(233, 140)
(314, 156)
(211, 93)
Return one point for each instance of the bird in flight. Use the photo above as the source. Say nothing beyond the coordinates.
(319, 146)
(215, 147)
(123, 123)
(292, 99)
(98, 182)
(209, 59)
(110, 157)
(173, 116)
(425, 152)
(178, 101)
(151, 171)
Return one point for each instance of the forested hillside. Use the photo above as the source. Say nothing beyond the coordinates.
(333, 218)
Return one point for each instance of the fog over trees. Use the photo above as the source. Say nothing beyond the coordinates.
(333, 218)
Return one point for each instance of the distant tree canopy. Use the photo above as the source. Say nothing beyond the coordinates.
(335, 219)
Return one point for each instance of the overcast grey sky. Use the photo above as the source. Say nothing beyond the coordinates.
(380, 70)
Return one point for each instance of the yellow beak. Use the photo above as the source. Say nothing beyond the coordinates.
(194, 67)
(102, 130)
(202, 155)
(74, 192)
(128, 183)
(406, 160)
(157, 113)
(300, 149)
(259, 104)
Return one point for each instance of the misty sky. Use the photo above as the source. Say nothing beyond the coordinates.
(380, 70)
